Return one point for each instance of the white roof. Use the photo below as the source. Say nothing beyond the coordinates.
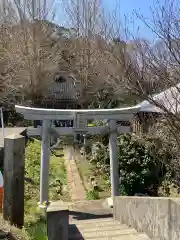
(169, 99)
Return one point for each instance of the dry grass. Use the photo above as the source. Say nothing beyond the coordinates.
(13, 232)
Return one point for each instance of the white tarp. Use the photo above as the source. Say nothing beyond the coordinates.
(169, 99)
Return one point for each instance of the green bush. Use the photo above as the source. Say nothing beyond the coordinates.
(92, 195)
(143, 163)
(12, 118)
(100, 158)
(171, 144)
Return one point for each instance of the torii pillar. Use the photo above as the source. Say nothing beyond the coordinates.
(45, 160)
(114, 165)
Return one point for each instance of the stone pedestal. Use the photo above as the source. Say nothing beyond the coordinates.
(57, 221)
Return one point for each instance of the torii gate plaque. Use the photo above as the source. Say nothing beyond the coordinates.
(80, 118)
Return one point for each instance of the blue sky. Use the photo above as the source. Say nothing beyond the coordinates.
(125, 8)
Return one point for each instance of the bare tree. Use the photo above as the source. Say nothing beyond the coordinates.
(31, 49)
(145, 70)
(95, 52)
(108, 60)
(34, 50)
(136, 66)
(88, 20)
(158, 67)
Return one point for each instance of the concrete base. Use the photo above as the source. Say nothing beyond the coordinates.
(58, 220)
(43, 206)
(110, 202)
(158, 217)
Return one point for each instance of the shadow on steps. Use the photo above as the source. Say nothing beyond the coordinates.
(88, 216)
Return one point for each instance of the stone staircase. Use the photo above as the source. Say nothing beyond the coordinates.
(103, 228)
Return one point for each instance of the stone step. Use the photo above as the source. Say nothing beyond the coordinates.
(122, 237)
(97, 225)
(125, 237)
(103, 233)
(92, 228)
(105, 229)
(95, 220)
(143, 236)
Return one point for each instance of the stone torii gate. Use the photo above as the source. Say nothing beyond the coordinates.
(80, 118)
